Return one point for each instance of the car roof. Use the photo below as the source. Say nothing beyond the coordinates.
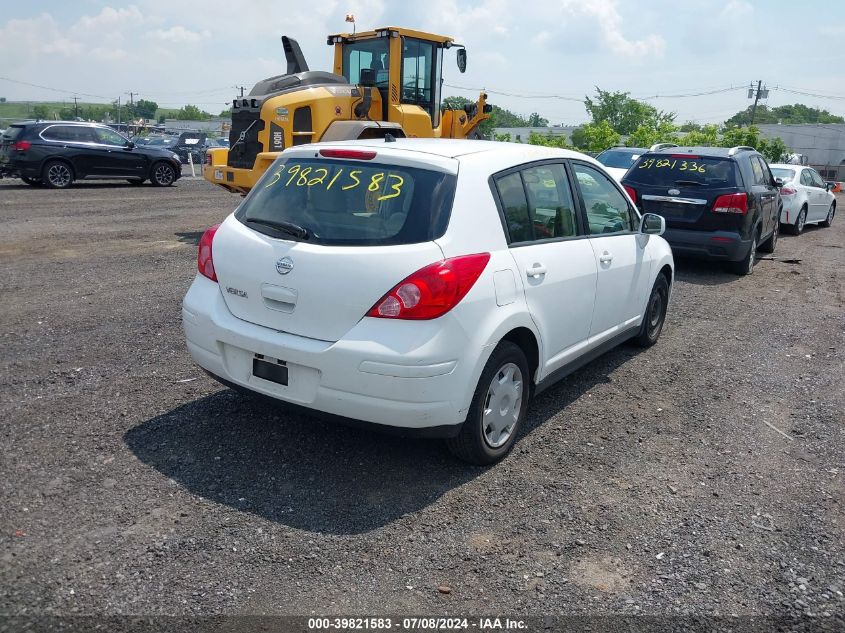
(455, 148)
(624, 148)
(788, 166)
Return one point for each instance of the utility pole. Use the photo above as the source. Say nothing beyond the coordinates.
(241, 88)
(759, 93)
(118, 110)
(76, 107)
(131, 97)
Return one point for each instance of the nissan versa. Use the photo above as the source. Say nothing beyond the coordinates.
(432, 285)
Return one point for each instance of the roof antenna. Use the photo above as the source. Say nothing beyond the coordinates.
(389, 138)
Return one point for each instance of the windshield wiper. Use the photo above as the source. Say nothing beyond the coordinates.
(290, 228)
(689, 182)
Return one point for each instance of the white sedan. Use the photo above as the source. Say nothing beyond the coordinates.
(430, 285)
(807, 199)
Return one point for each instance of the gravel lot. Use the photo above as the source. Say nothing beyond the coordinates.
(702, 476)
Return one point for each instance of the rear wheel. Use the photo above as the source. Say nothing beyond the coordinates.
(655, 314)
(163, 175)
(769, 245)
(800, 221)
(497, 410)
(828, 221)
(57, 174)
(35, 182)
(746, 265)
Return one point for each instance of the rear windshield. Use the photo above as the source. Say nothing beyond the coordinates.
(665, 171)
(354, 203)
(12, 133)
(618, 158)
(784, 174)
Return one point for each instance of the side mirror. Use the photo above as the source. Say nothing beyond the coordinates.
(462, 59)
(778, 182)
(368, 77)
(829, 186)
(653, 224)
(130, 145)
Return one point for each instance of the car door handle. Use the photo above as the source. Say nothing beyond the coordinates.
(606, 258)
(535, 271)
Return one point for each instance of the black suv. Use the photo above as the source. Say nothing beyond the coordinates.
(55, 153)
(719, 203)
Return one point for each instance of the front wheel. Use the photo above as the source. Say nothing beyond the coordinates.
(163, 175)
(497, 410)
(57, 174)
(655, 314)
(828, 221)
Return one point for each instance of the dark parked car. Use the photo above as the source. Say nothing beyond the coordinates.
(719, 203)
(55, 153)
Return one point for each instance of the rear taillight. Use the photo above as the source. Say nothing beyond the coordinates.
(431, 291)
(731, 203)
(788, 191)
(205, 260)
(631, 192)
(21, 146)
(208, 158)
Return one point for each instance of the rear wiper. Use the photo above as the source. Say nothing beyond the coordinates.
(689, 182)
(290, 228)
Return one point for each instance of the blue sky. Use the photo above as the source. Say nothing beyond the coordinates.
(195, 51)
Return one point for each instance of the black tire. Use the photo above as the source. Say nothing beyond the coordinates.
(800, 221)
(162, 174)
(769, 245)
(828, 221)
(746, 265)
(472, 444)
(655, 313)
(57, 174)
(33, 182)
(136, 181)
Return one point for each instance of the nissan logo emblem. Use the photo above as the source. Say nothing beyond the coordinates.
(284, 265)
(674, 192)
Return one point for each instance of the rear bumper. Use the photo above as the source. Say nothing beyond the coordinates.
(357, 377)
(718, 245)
(791, 207)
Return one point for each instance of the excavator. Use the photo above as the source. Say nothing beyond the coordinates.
(385, 82)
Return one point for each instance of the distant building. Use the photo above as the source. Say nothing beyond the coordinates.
(217, 126)
(521, 134)
(822, 143)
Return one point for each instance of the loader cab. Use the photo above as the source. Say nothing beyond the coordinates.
(407, 68)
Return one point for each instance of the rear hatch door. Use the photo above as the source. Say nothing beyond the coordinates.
(366, 224)
(682, 188)
(7, 139)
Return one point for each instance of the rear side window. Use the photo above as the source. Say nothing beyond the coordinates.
(761, 171)
(68, 133)
(618, 158)
(662, 170)
(352, 203)
(550, 205)
(784, 174)
(515, 205)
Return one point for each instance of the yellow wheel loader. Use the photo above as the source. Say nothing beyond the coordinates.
(386, 81)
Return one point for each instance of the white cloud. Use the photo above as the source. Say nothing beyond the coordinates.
(109, 17)
(737, 9)
(609, 22)
(180, 35)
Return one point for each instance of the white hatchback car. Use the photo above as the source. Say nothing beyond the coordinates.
(805, 196)
(431, 285)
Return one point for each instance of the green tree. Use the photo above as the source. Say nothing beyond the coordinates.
(225, 114)
(192, 113)
(599, 136)
(690, 126)
(41, 112)
(547, 140)
(647, 135)
(623, 113)
(455, 103)
(535, 120)
(796, 113)
(578, 138)
(704, 136)
(2, 99)
(145, 109)
(502, 138)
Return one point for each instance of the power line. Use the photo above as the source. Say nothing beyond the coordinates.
(69, 92)
(809, 94)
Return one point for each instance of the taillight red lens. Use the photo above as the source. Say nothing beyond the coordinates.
(731, 203)
(431, 291)
(787, 191)
(21, 146)
(631, 192)
(208, 158)
(205, 260)
(357, 154)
